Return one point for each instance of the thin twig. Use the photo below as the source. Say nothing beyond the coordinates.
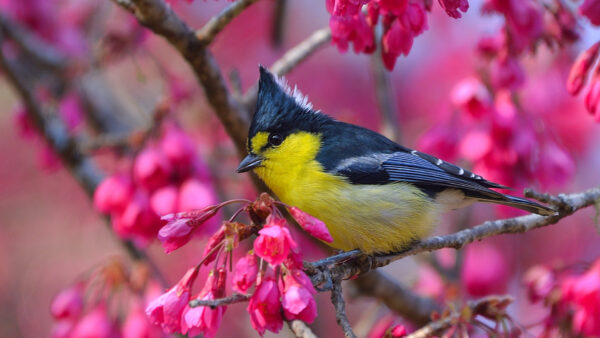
(291, 59)
(340, 309)
(160, 18)
(278, 25)
(386, 100)
(353, 263)
(492, 307)
(235, 298)
(42, 52)
(300, 329)
(218, 22)
(396, 297)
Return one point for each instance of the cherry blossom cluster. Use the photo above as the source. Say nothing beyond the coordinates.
(166, 177)
(498, 134)
(584, 71)
(574, 300)
(270, 274)
(356, 20)
(93, 306)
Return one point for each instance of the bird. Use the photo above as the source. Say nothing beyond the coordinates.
(372, 193)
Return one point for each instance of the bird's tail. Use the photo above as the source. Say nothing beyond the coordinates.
(522, 204)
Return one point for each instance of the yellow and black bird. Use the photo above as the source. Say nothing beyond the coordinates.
(373, 194)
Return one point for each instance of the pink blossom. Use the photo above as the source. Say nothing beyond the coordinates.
(539, 281)
(244, 275)
(23, 122)
(592, 97)
(507, 73)
(151, 168)
(312, 225)
(95, 324)
(166, 310)
(484, 271)
(194, 195)
(138, 221)
(452, 6)
(203, 319)
(581, 68)
(591, 10)
(475, 145)
(265, 308)
(175, 234)
(178, 148)
(164, 200)
(113, 194)
(583, 293)
(210, 254)
(352, 28)
(274, 242)
(471, 96)
(400, 31)
(398, 331)
(298, 297)
(67, 304)
(137, 325)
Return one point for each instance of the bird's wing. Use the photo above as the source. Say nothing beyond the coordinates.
(425, 171)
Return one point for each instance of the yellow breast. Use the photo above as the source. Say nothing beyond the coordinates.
(373, 218)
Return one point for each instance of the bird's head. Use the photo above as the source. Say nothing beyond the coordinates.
(284, 129)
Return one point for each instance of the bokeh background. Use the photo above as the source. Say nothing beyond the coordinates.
(50, 233)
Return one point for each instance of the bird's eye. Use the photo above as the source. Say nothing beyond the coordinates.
(275, 139)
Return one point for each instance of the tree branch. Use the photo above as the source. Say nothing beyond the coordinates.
(291, 59)
(386, 101)
(300, 329)
(217, 23)
(352, 263)
(492, 307)
(235, 298)
(396, 297)
(160, 18)
(340, 309)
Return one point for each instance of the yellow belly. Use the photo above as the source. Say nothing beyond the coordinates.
(372, 218)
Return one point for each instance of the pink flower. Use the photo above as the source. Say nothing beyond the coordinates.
(274, 242)
(400, 31)
(164, 200)
(151, 168)
(175, 234)
(265, 308)
(202, 319)
(539, 281)
(583, 293)
(581, 68)
(507, 73)
(484, 271)
(210, 254)
(194, 195)
(398, 331)
(62, 328)
(67, 304)
(352, 28)
(137, 325)
(312, 225)
(471, 96)
(166, 310)
(138, 221)
(244, 275)
(475, 145)
(95, 324)
(178, 148)
(591, 10)
(592, 96)
(113, 193)
(297, 297)
(452, 6)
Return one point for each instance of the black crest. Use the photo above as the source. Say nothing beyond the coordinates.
(282, 109)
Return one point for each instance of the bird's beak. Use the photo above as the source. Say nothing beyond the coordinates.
(250, 162)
